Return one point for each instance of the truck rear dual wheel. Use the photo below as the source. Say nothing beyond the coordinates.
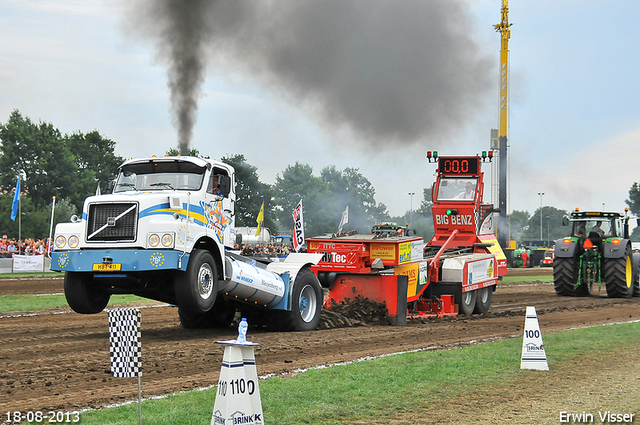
(306, 305)
(83, 295)
(618, 275)
(197, 288)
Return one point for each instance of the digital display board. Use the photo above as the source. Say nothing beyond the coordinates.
(459, 165)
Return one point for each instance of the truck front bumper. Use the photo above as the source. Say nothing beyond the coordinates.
(118, 260)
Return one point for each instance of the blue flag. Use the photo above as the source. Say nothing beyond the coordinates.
(16, 201)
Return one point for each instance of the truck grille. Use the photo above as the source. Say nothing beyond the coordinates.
(112, 222)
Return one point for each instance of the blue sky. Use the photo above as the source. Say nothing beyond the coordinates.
(574, 100)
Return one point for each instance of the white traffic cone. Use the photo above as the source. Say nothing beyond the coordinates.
(533, 355)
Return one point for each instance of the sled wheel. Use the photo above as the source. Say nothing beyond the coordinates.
(83, 295)
(483, 300)
(468, 302)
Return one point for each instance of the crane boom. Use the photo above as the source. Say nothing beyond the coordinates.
(505, 34)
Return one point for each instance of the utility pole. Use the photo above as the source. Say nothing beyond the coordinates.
(540, 194)
(505, 34)
(411, 195)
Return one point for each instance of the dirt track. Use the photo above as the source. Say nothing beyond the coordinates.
(59, 360)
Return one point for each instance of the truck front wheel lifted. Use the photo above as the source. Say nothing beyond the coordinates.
(197, 288)
(83, 295)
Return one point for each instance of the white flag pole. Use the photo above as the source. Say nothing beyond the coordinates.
(49, 244)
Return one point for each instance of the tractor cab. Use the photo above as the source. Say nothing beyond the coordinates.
(609, 225)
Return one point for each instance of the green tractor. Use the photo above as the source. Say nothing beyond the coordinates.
(521, 257)
(597, 253)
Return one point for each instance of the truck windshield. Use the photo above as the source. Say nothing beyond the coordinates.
(456, 189)
(158, 176)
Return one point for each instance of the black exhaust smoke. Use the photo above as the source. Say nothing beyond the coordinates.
(390, 72)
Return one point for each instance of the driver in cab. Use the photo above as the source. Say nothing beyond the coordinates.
(468, 192)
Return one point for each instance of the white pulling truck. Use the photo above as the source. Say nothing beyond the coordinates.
(166, 232)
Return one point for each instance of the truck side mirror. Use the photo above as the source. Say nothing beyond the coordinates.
(224, 183)
(565, 221)
(637, 221)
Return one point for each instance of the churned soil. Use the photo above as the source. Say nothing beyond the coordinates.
(59, 360)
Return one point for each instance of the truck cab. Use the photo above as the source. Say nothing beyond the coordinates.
(165, 232)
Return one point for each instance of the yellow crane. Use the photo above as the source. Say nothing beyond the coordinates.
(505, 34)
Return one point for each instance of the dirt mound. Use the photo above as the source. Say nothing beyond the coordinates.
(357, 312)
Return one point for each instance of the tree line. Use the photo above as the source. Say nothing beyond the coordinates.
(73, 166)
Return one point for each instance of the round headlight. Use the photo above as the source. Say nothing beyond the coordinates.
(154, 240)
(167, 240)
(61, 241)
(73, 241)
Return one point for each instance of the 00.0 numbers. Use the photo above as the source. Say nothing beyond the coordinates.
(46, 417)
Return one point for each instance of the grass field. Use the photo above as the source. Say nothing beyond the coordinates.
(511, 279)
(424, 387)
(32, 302)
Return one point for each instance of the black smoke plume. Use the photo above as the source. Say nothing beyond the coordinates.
(387, 70)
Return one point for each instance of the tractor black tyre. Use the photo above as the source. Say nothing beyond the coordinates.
(306, 305)
(565, 274)
(468, 302)
(220, 316)
(197, 288)
(618, 275)
(83, 295)
(584, 290)
(636, 274)
(483, 300)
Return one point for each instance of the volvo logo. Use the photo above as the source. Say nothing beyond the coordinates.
(111, 221)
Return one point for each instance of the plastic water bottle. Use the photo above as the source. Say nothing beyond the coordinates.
(242, 331)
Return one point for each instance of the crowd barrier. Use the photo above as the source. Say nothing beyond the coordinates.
(25, 264)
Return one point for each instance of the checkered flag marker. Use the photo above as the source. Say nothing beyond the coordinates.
(124, 342)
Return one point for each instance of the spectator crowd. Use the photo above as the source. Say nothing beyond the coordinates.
(28, 246)
(263, 250)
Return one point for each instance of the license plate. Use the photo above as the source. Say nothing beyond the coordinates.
(106, 267)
